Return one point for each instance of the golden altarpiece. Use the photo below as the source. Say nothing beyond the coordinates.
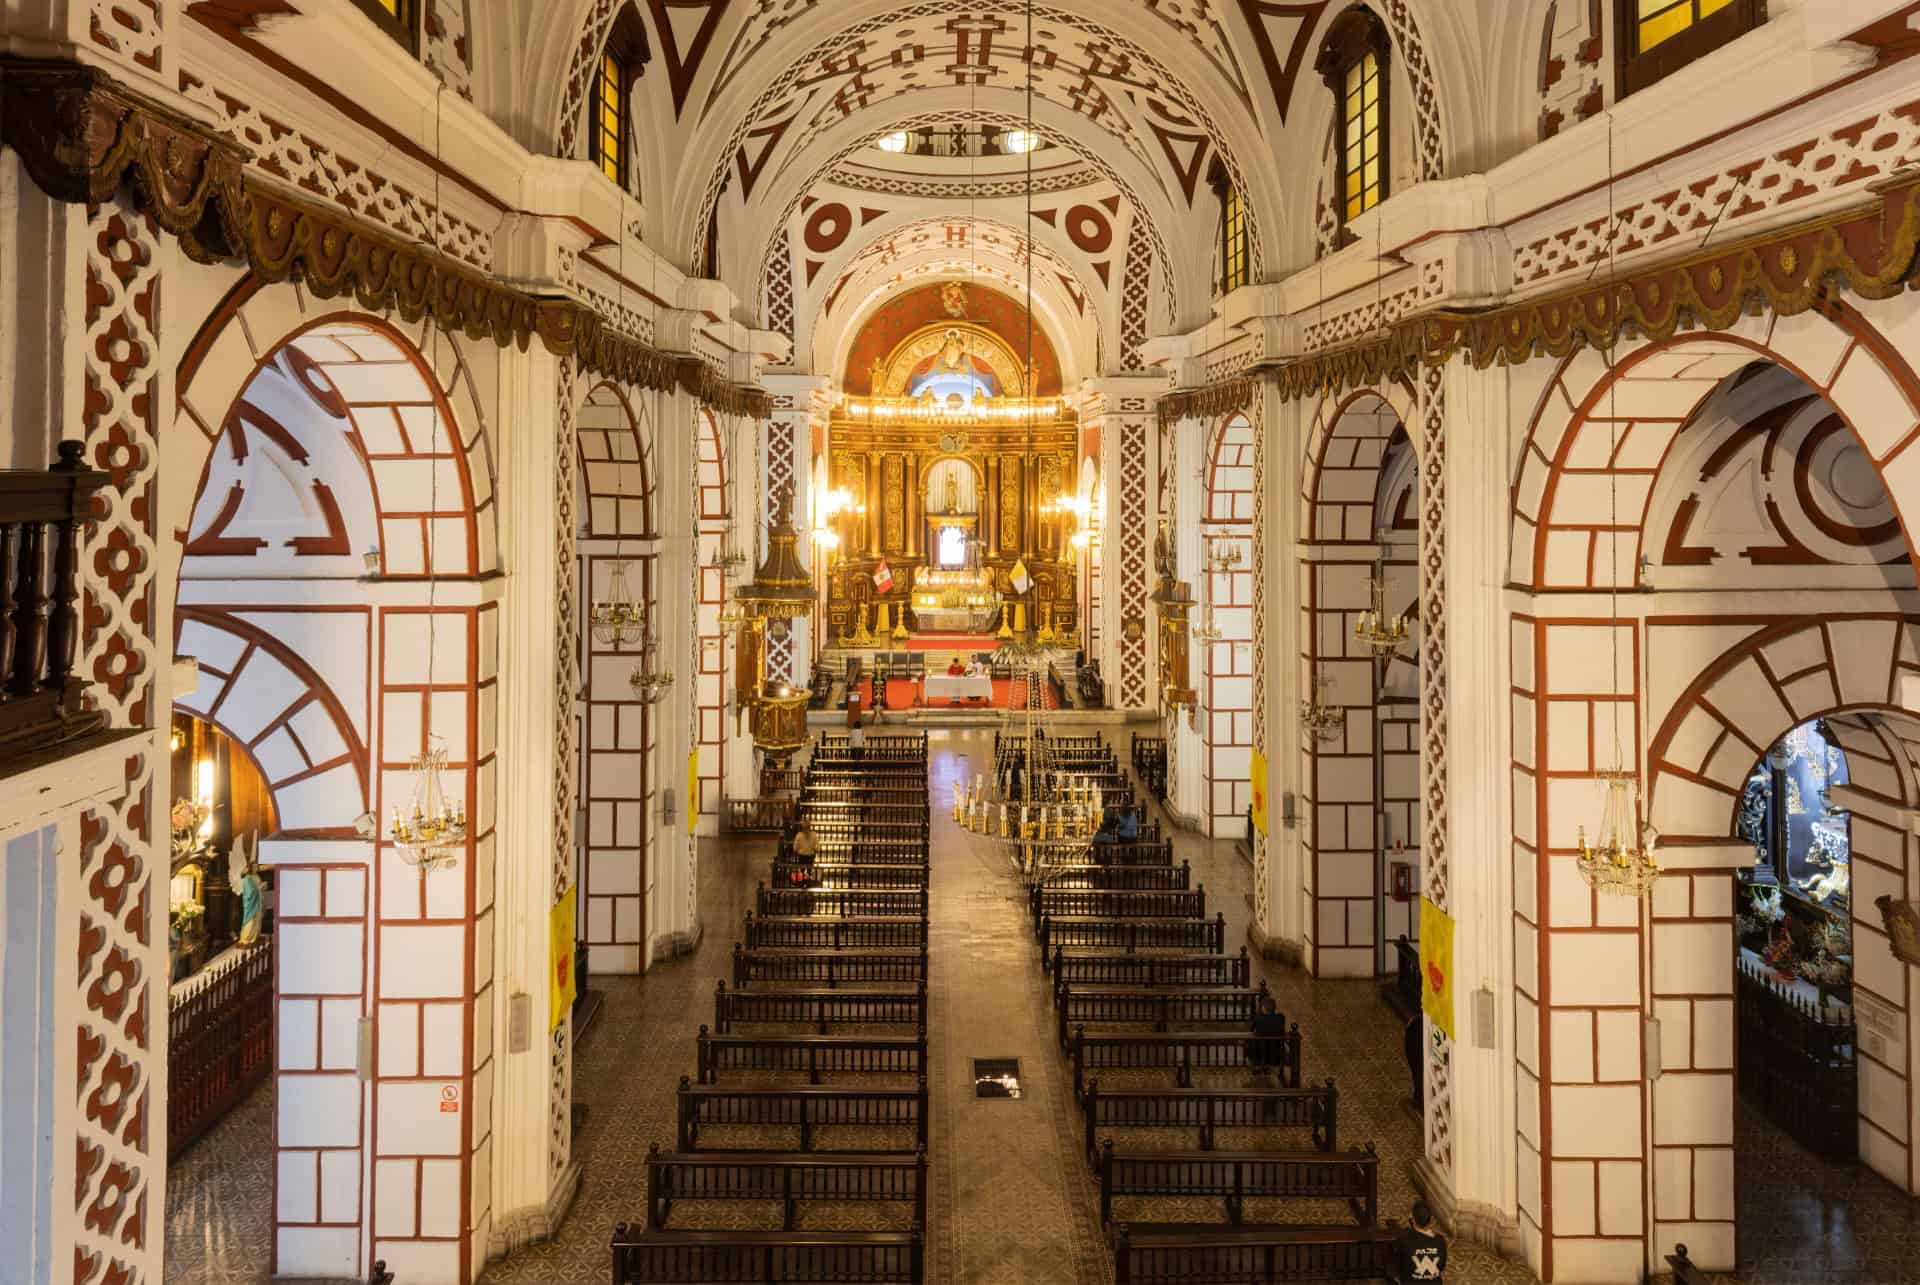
(953, 469)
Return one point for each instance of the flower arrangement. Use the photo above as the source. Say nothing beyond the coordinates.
(1763, 911)
(185, 820)
(1779, 956)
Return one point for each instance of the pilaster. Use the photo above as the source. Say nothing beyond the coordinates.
(673, 926)
(1282, 429)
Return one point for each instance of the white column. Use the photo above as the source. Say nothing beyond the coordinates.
(1480, 1199)
(534, 1175)
(1282, 428)
(1186, 746)
(672, 926)
(745, 481)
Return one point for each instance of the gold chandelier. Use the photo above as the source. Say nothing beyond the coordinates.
(648, 681)
(619, 620)
(1623, 862)
(1322, 720)
(431, 838)
(1383, 633)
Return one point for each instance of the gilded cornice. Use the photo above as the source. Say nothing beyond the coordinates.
(82, 135)
(1871, 251)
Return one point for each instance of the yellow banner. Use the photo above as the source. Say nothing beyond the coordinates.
(560, 977)
(1257, 772)
(1436, 965)
(693, 786)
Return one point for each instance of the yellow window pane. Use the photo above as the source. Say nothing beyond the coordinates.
(1372, 171)
(1648, 8)
(1355, 209)
(391, 6)
(1353, 183)
(1665, 27)
(1353, 78)
(1713, 6)
(1370, 119)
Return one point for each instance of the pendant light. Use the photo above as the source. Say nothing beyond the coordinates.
(1623, 862)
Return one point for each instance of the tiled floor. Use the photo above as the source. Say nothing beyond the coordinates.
(1011, 1198)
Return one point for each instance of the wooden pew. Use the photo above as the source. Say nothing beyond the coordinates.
(812, 1054)
(1081, 1006)
(840, 903)
(851, 851)
(818, 1008)
(873, 932)
(1064, 903)
(1121, 878)
(1208, 1110)
(1100, 968)
(1234, 1177)
(727, 1257)
(1149, 1254)
(827, 967)
(806, 1109)
(1180, 1052)
(788, 1177)
(1133, 934)
(1134, 854)
(836, 874)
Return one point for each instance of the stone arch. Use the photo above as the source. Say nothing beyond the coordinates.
(388, 388)
(1344, 452)
(1230, 472)
(616, 465)
(1784, 673)
(1568, 474)
(285, 715)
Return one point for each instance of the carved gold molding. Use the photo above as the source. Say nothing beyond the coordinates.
(1871, 251)
(81, 135)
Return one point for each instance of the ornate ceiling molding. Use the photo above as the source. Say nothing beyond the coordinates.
(81, 135)
(1873, 252)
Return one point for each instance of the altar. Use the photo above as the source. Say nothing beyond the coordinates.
(958, 687)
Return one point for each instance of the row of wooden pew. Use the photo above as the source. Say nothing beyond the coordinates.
(1156, 1020)
(809, 1089)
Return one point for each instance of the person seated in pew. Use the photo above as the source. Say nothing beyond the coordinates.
(1421, 1251)
(1129, 828)
(1268, 1051)
(1105, 837)
(803, 847)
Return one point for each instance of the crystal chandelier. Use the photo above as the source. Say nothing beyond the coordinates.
(1206, 632)
(649, 683)
(619, 620)
(1226, 558)
(1322, 720)
(431, 838)
(1380, 631)
(1621, 863)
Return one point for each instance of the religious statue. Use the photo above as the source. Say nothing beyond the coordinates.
(952, 497)
(953, 354)
(243, 872)
(953, 297)
(1163, 553)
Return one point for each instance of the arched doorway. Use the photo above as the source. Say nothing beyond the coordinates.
(1226, 652)
(343, 515)
(619, 773)
(1713, 526)
(1362, 776)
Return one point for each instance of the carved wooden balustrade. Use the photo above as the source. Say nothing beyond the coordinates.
(43, 706)
(219, 1044)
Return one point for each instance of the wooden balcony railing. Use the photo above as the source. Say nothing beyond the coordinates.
(42, 513)
(219, 1044)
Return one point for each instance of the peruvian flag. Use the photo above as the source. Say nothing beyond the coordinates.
(883, 577)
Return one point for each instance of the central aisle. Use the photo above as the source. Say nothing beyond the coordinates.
(1013, 1201)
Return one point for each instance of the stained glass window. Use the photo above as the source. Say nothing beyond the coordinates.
(1662, 20)
(1363, 183)
(1661, 36)
(610, 119)
(1354, 61)
(1233, 241)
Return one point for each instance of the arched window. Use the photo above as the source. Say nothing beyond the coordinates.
(1353, 61)
(1232, 235)
(398, 18)
(610, 141)
(1659, 37)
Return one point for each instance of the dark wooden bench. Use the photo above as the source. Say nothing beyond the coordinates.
(1121, 878)
(811, 1054)
(818, 1008)
(1150, 1254)
(1235, 1177)
(716, 1106)
(1158, 853)
(1063, 903)
(1102, 968)
(827, 967)
(1180, 1052)
(851, 851)
(1209, 1110)
(1403, 996)
(850, 875)
(1133, 934)
(788, 1177)
(893, 932)
(1162, 1007)
(842, 903)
